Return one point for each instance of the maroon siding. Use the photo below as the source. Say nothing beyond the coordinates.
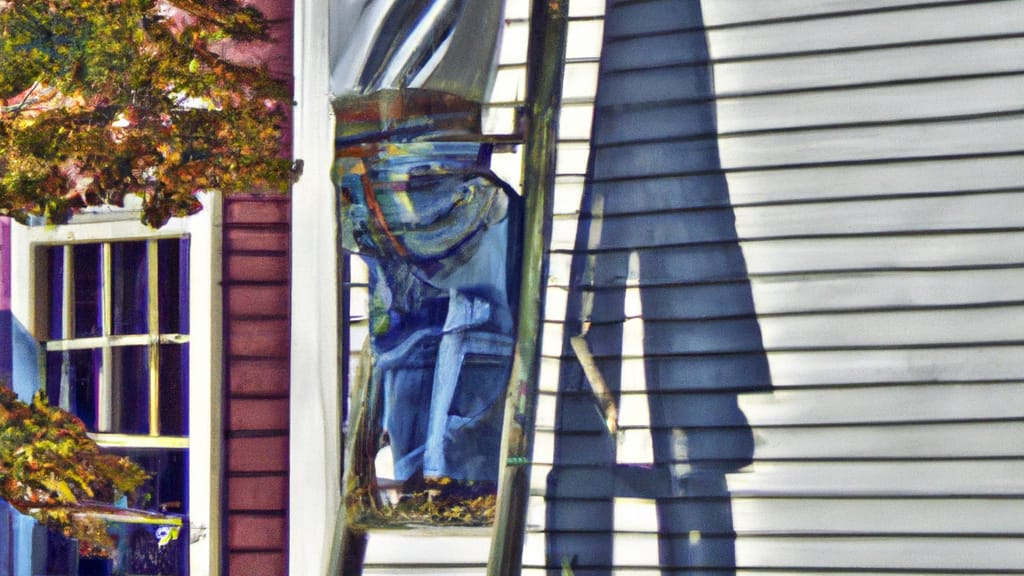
(6, 350)
(275, 52)
(256, 347)
(256, 324)
(5, 263)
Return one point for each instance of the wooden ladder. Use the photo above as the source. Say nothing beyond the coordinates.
(546, 63)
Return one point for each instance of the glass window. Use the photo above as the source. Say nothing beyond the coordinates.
(118, 326)
(129, 276)
(117, 356)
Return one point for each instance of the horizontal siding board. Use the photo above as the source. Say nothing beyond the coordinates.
(259, 532)
(695, 263)
(513, 45)
(258, 267)
(903, 328)
(886, 290)
(871, 291)
(994, 479)
(834, 367)
(902, 403)
(260, 237)
(929, 100)
(858, 479)
(258, 494)
(465, 548)
(976, 212)
(881, 442)
(432, 570)
(803, 148)
(878, 66)
(825, 71)
(939, 251)
(263, 563)
(736, 12)
(264, 454)
(909, 365)
(697, 302)
(584, 8)
(832, 516)
(893, 328)
(817, 555)
(821, 257)
(259, 338)
(580, 81)
(969, 402)
(258, 414)
(259, 377)
(671, 48)
(909, 102)
(813, 183)
(651, 17)
(954, 21)
(889, 142)
(575, 121)
(257, 209)
(583, 40)
(840, 516)
(540, 570)
(899, 554)
(884, 552)
(257, 299)
(744, 13)
(908, 479)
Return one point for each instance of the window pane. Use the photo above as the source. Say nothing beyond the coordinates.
(55, 279)
(168, 468)
(52, 552)
(87, 281)
(174, 390)
(72, 382)
(130, 278)
(173, 285)
(130, 398)
(168, 486)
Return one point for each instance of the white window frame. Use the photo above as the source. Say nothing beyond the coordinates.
(205, 346)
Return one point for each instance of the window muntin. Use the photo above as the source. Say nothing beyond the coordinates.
(118, 327)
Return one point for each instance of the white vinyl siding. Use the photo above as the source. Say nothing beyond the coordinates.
(876, 173)
(875, 165)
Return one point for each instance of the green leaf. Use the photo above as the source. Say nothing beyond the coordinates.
(88, 62)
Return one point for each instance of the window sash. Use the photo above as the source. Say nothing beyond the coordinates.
(202, 375)
(108, 342)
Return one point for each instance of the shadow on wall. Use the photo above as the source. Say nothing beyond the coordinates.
(19, 353)
(656, 212)
(19, 357)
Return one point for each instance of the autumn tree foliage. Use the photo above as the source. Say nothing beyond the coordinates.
(51, 470)
(102, 99)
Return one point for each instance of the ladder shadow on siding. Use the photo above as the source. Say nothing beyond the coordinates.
(694, 369)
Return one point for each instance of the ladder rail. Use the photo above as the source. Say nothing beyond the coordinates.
(545, 68)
